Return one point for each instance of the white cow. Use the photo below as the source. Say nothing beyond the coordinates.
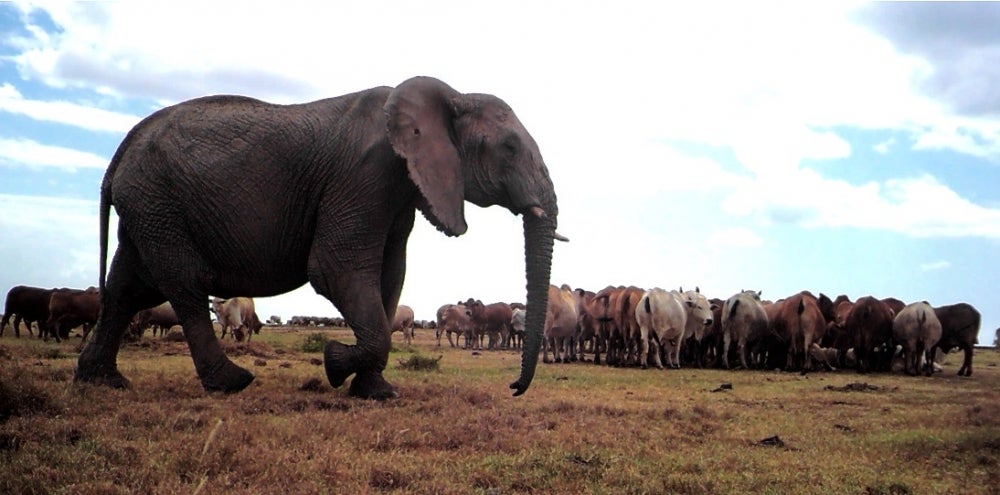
(917, 329)
(743, 320)
(403, 322)
(238, 314)
(700, 316)
(560, 324)
(661, 315)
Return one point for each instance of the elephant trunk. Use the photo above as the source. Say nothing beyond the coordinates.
(539, 232)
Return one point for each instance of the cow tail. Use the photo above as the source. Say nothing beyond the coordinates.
(648, 310)
(732, 309)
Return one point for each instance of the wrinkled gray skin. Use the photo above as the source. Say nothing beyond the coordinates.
(231, 196)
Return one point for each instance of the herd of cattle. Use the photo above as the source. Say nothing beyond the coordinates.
(57, 311)
(636, 327)
(629, 326)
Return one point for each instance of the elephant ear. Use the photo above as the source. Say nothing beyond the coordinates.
(419, 115)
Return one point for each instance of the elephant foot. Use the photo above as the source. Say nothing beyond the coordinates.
(337, 361)
(371, 385)
(108, 376)
(227, 378)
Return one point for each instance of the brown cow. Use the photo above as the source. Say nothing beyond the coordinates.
(959, 328)
(27, 304)
(869, 323)
(160, 318)
(799, 322)
(70, 308)
(491, 320)
(455, 319)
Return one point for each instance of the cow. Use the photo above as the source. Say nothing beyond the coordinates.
(743, 321)
(491, 320)
(588, 327)
(602, 309)
(70, 308)
(826, 357)
(959, 328)
(835, 313)
(160, 318)
(661, 316)
(403, 322)
(869, 324)
(799, 322)
(27, 304)
(238, 314)
(701, 317)
(560, 324)
(517, 327)
(455, 319)
(917, 329)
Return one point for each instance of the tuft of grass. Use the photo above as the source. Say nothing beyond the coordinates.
(417, 362)
(19, 396)
(314, 342)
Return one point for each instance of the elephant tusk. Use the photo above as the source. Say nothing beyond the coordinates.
(558, 237)
(538, 212)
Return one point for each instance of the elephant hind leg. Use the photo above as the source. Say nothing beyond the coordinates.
(125, 293)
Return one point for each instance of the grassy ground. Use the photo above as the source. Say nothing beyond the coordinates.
(580, 428)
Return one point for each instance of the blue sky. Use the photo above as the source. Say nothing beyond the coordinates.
(837, 147)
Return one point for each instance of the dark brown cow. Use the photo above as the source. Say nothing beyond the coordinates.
(959, 328)
(70, 308)
(835, 313)
(894, 304)
(870, 324)
(27, 304)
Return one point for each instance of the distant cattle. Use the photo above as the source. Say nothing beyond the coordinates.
(455, 319)
(71, 308)
(403, 322)
(158, 318)
(27, 304)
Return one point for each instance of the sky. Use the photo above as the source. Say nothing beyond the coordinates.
(839, 147)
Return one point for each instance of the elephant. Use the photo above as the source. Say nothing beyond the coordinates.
(328, 192)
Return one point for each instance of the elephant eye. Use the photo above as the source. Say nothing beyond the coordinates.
(510, 144)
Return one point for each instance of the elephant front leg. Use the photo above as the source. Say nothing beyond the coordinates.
(357, 296)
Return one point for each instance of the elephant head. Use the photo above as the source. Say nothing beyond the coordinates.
(471, 147)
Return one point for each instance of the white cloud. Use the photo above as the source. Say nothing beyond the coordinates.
(33, 154)
(62, 112)
(934, 266)
(737, 237)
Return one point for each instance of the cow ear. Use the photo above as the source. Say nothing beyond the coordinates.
(419, 120)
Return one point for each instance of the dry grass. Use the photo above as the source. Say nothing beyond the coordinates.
(456, 430)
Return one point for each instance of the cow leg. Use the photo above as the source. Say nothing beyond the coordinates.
(966, 369)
